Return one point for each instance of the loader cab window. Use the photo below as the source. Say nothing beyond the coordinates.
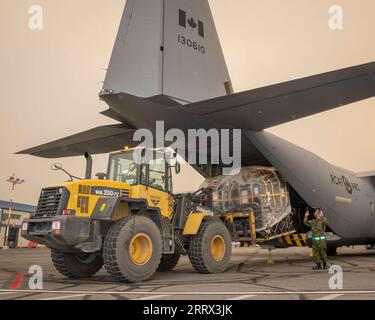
(143, 175)
(122, 168)
(169, 185)
(158, 174)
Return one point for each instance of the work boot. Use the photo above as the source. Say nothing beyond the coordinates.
(318, 267)
(325, 267)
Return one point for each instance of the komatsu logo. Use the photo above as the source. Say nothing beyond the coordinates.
(191, 22)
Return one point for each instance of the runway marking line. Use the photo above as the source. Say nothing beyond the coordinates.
(189, 293)
(243, 297)
(154, 297)
(330, 297)
(5, 293)
(66, 297)
(17, 281)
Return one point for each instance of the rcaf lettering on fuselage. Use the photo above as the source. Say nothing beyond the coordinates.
(344, 182)
(193, 24)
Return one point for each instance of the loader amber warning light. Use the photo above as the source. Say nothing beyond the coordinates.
(67, 212)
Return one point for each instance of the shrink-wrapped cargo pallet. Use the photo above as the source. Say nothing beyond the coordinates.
(259, 189)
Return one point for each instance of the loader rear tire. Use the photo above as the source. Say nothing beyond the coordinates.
(168, 262)
(210, 250)
(76, 265)
(132, 249)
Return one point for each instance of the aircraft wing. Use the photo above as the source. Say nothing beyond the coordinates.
(276, 104)
(250, 110)
(98, 140)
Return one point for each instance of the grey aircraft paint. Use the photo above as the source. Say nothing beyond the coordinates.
(347, 200)
(168, 47)
(155, 73)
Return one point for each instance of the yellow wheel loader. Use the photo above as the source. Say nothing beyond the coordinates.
(129, 220)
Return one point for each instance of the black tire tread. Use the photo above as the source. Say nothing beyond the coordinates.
(111, 262)
(168, 261)
(195, 250)
(196, 247)
(62, 265)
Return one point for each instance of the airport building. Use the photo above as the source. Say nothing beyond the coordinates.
(19, 213)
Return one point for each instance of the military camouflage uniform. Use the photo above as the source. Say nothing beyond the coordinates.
(319, 240)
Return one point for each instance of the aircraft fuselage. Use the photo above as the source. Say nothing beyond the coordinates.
(347, 200)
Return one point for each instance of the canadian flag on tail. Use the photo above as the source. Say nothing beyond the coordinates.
(184, 21)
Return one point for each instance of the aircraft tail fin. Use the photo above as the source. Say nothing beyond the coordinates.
(154, 38)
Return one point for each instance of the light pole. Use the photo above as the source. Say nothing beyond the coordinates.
(14, 181)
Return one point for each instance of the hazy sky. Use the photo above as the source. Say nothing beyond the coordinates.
(50, 79)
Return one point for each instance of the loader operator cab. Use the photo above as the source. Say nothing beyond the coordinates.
(122, 168)
(155, 173)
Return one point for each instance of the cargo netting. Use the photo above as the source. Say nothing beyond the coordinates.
(259, 189)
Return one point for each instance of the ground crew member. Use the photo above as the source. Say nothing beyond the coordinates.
(319, 239)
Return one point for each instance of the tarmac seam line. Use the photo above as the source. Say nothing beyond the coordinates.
(243, 297)
(190, 293)
(330, 297)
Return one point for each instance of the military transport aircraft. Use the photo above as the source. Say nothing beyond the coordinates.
(167, 64)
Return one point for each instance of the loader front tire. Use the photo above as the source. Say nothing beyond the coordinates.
(210, 250)
(76, 265)
(132, 249)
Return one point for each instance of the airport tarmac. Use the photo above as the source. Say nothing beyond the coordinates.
(248, 278)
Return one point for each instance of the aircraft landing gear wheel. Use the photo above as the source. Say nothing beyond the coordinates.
(210, 250)
(132, 249)
(76, 265)
(331, 251)
(168, 261)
